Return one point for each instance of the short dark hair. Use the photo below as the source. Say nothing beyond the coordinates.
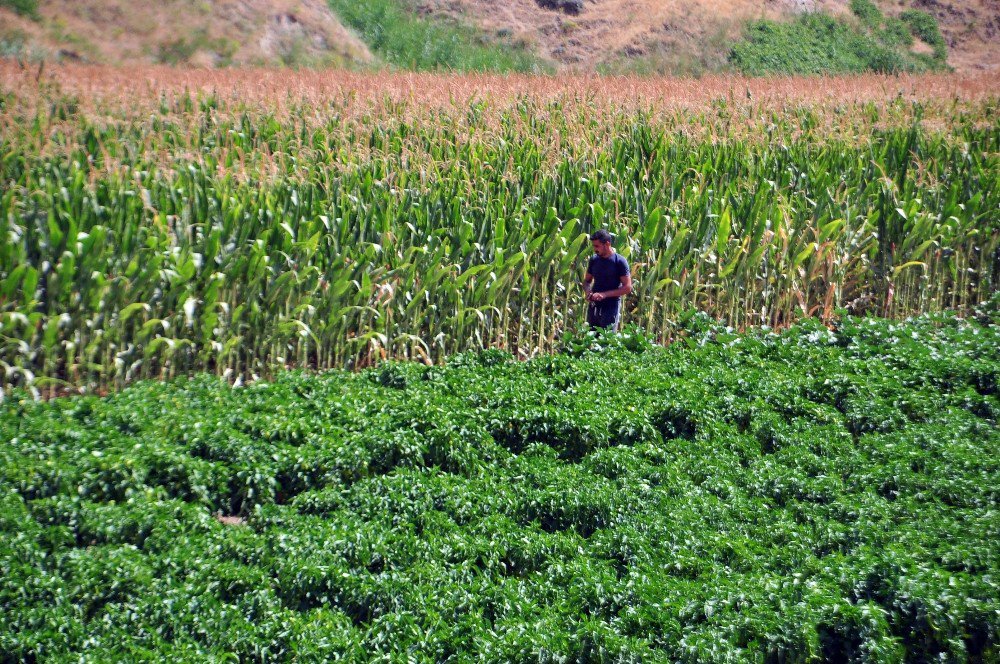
(602, 235)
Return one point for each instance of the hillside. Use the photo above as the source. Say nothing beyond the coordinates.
(613, 36)
(972, 29)
(219, 33)
(685, 36)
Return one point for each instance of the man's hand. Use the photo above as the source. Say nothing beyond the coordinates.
(596, 297)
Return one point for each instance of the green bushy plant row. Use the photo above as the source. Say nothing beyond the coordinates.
(818, 495)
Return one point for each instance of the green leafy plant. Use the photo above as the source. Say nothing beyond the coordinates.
(868, 12)
(815, 43)
(406, 40)
(27, 8)
(925, 27)
(815, 494)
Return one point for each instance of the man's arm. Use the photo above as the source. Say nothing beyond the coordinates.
(588, 284)
(624, 289)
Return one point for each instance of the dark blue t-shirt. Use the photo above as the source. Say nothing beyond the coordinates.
(608, 272)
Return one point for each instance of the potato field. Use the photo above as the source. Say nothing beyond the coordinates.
(294, 368)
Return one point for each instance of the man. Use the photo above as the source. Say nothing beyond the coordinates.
(608, 278)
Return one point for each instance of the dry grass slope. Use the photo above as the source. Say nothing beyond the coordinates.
(223, 32)
(971, 28)
(693, 36)
(674, 36)
(628, 28)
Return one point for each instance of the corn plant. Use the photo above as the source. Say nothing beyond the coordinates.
(187, 232)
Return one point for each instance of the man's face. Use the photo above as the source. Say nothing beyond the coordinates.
(602, 249)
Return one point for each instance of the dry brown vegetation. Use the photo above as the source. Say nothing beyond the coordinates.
(223, 32)
(715, 108)
(276, 86)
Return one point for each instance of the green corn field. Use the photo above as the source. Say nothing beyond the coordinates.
(192, 230)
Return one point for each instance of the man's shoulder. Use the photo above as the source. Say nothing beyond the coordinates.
(611, 261)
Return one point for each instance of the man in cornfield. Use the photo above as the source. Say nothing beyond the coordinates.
(608, 278)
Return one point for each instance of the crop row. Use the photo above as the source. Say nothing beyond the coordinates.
(206, 235)
(818, 494)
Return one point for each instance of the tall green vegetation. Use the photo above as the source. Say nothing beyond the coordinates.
(925, 26)
(23, 7)
(820, 495)
(815, 43)
(403, 39)
(868, 12)
(204, 235)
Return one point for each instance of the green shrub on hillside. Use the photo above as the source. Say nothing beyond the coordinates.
(408, 41)
(22, 7)
(890, 30)
(895, 32)
(814, 44)
(868, 12)
(925, 27)
(818, 44)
